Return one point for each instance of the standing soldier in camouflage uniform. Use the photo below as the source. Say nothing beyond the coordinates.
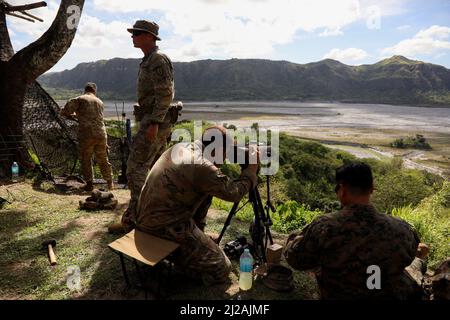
(155, 90)
(342, 245)
(88, 111)
(176, 198)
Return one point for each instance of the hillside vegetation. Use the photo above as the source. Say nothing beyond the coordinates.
(396, 80)
(301, 191)
(304, 186)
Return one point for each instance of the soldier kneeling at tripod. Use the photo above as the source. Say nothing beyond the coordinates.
(176, 197)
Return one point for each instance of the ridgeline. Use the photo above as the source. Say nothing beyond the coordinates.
(396, 80)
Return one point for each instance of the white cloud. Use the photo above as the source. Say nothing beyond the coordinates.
(328, 33)
(97, 40)
(347, 55)
(94, 40)
(426, 42)
(199, 29)
(246, 28)
(437, 32)
(95, 34)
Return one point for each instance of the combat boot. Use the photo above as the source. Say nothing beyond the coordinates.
(116, 228)
(89, 186)
(110, 185)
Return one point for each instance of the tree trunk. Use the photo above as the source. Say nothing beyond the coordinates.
(6, 49)
(19, 70)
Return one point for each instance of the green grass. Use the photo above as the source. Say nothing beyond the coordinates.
(39, 214)
(431, 220)
(35, 216)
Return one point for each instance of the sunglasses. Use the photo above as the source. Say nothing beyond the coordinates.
(137, 33)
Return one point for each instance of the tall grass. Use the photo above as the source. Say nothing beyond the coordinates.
(431, 220)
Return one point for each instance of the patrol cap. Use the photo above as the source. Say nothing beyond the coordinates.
(90, 85)
(146, 26)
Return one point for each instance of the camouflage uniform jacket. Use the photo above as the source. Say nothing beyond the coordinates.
(155, 87)
(89, 112)
(344, 244)
(175, 190)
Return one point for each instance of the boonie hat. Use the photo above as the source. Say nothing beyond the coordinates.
(146, 26)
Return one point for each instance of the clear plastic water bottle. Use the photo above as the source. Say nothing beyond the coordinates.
(246, 270)
(15, 172)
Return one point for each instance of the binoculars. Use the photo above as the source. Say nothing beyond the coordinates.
(235, 248)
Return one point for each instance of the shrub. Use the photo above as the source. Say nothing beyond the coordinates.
(397, 187)
(431, 220)
(417, 142)
(292, 216)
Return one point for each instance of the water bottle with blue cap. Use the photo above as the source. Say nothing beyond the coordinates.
(246, 270)
(15, 172)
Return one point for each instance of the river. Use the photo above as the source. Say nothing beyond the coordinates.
(288, 116)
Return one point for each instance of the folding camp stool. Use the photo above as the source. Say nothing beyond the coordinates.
(140, 247)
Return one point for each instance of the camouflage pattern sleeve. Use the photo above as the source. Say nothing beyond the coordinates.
(162, 75)
(302, 250)
(70, 108)
(210, 180)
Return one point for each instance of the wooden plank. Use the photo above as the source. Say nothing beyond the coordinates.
(144, 247)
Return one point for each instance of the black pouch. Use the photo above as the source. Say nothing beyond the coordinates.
(175, 111)
(138, 112)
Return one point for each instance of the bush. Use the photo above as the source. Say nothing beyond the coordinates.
(431, 220)
(308, 169)
(292, 216)
(417, 142)
(115, 128)
(399, 188)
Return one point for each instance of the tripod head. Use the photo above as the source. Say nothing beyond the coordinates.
(241, 155)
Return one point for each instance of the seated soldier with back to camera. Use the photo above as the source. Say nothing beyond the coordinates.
(346, 246)
(175, 199)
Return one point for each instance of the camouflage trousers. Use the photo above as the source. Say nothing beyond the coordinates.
(143, 155)
(198, 256)
(87, 148)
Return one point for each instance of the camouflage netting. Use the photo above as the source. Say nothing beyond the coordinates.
(54, 138)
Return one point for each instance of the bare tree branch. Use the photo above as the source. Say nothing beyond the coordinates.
(19, 16)
(44, 53)
(30, 6)
(31, 16)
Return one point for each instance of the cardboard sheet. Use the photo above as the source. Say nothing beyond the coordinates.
(144, 247)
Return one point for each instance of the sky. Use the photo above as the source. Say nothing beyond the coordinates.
(354, 32)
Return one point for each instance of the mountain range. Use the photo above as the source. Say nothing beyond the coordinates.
(396, 80)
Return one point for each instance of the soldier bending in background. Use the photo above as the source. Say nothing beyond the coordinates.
(88, 111)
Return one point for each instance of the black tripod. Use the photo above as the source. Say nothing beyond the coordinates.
(260, 228)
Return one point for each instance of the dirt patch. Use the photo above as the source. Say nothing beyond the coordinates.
(215, 214)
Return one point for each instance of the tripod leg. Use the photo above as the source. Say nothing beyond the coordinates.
(265, 218)
(258, 226)
(228, 221)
